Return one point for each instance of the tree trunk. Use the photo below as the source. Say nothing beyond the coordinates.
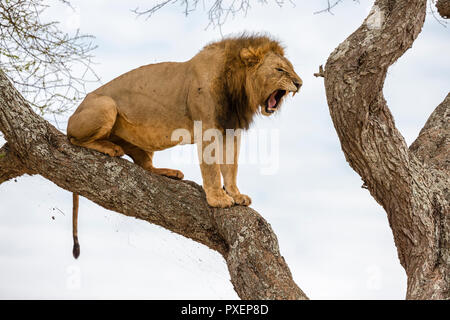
(240, 234)
(411, 184)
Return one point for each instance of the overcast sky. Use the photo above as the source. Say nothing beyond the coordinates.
(334, 236)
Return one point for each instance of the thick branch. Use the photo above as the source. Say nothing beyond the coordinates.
(240, 234)
(10, 165)
(411, 193)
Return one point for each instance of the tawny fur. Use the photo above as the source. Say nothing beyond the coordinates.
(223, 86)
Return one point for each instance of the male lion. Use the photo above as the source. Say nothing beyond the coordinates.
(223, 86)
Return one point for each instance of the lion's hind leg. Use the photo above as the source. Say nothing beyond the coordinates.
(91, 124)
(103, 146)
(171, 173)
(145, 160)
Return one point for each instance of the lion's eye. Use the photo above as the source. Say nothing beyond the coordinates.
(279, 69)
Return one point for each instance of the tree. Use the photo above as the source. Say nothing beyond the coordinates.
(40, 59)
(410, 183)
(443, 7)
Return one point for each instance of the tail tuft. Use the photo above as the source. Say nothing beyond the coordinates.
(76, 250)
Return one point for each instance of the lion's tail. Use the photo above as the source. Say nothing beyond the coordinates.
(76, 245)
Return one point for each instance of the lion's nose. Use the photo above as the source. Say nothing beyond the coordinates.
(297, 84)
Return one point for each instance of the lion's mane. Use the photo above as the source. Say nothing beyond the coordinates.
(239, 103)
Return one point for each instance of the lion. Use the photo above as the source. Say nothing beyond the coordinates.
(224, 86)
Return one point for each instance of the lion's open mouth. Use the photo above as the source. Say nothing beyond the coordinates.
(273, 100)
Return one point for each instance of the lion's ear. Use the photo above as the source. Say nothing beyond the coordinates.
(250, 56)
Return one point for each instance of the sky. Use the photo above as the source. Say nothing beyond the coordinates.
(334, 237)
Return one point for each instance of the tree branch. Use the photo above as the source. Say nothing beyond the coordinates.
(443, 7)
(240, 234)
(433, 144)
(411, 194)
(10, 165)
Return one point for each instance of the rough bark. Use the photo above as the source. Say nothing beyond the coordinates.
(240, 234)
(410, 183)
(443, 7)
(10, 164)
(433, 143)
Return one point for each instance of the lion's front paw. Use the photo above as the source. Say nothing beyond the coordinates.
(219, 199)
(242, 199)
(239, 198)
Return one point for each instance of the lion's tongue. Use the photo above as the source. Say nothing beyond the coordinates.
(272, 101)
